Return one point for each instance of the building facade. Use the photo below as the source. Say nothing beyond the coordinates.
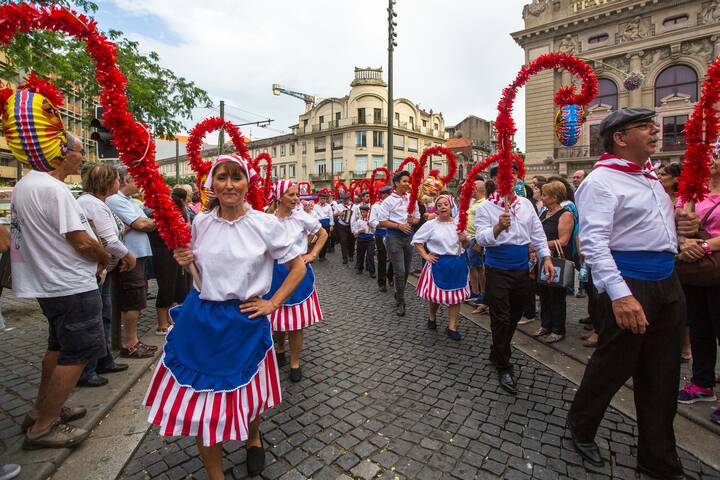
(669, 42)
(343, 139)
(472, 140)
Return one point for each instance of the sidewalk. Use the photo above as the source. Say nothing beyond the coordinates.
(22, 346)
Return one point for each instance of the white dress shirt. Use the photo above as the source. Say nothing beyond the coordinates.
(361, 226)
(440, 238)
(620, 211)
(299, 226)
(395, 209)
(374, 218)
(525, 226)
(235, 258)
(324, 211)
(340, 212)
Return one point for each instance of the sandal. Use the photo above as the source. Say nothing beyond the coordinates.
(139, 350)
(541, 332)
(553, 337)
(481, 310)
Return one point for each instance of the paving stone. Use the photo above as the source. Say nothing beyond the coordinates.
(365, 470)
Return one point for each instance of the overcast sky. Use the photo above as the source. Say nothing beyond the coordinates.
(453, 56)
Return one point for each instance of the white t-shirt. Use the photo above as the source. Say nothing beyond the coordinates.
(44, 264)
(299, 225)
(235, 259)
(441, 238)
(105, 223)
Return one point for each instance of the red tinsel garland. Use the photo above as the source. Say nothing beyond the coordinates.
(374, 182)
(505, 125)
(267, 179)
(417, 175)
(307, 188)
(195, 139)
(338, 186)
(406, 161)
(701, 131)
(44, 87)
(133, 140)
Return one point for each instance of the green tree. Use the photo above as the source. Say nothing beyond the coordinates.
(157, 96)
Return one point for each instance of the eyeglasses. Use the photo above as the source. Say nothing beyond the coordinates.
(81, 151)
(643, 126)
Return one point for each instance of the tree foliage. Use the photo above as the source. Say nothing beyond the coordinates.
(157, 96)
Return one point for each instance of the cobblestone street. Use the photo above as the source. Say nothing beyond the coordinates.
(384, 397)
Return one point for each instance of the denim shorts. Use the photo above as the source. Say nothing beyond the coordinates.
(474, 259)
(75, 327)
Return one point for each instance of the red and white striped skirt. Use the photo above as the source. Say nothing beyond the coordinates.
(290, 318)
(427, 290)
(212, 416)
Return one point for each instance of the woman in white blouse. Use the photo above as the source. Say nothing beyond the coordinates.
(444, 279)
(218, 372)
(99, 182)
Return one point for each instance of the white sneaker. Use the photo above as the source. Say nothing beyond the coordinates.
(2, 327)
(9, 470)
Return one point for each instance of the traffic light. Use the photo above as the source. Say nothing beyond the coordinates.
(106, 150)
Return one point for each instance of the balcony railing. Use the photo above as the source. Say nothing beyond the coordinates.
(320, 177)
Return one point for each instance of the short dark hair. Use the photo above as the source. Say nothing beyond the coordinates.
(398, 176)
(490, 188)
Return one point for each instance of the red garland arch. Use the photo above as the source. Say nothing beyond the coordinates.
(267, 178)
(418, 173)
(374, 182)
(406, 161)
(133, 140)
(505, 125)
(194, 145)
(701, 133)
(338, 186)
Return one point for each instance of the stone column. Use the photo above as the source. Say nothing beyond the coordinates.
(715, 39)
(635, 96)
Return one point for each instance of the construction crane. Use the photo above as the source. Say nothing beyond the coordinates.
(309, 100)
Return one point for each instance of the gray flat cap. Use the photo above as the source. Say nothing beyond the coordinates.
(385, 189)
(616, 120)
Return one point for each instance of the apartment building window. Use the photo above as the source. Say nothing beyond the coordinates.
(396, 163)
(274, 152)
(291, 170)
(282, 150)
(673, 136)
(607, 93)
(337, 142)
(320, 167)
(361, 163)
(361, 116)
(378, 161)
(674, 80)
(321, 119)
(378, 139)
(305, 123)
(292, 149)
(337, 119)
(320, 144)
(360, 138)
(274, 172)
(303, 148)
(412, 123)
(412, 144)
(282, 171)
(437, 126)
(337, 165)
(398, 142)
(596, 144)
(377, 115)
(397, 118)
(424, 123)
(677, 20)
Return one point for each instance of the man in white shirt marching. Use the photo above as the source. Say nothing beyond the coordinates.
(507, 237)
(324, 212)
(343, 219)
(393, 215)
(384, 269)
(628, 237)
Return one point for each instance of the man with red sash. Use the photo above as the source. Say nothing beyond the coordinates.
(628, 236)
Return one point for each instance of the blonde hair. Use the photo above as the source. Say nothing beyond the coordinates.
(555, 189)
(99, 179)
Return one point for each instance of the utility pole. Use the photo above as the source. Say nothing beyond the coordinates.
(177, 160)
(221, 135)
(391, 47)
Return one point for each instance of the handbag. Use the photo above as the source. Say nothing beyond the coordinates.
(564, 270)
(706, 271)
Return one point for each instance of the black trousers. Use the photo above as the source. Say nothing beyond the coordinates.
(651, 359)
(324, 249)
(506, 293)
(553, 308)
(400, 252)
(384, 267)
(365, 254)
(703, 318)
(530, 310)
(346, 240)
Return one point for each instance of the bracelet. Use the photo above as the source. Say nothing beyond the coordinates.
(706, 248)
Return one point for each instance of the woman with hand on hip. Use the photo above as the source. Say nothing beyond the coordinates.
(302, 308)
(218, 371)
(444, 279)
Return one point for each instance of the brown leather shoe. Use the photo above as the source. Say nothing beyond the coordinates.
(591, 341)
(140, 350)
(67, 414)
(59, 435)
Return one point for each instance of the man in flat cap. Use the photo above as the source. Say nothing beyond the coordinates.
(384, 269)
(343, 219)
(323, 211)
(628, 236)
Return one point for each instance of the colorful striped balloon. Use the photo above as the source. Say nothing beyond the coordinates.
(568, 124)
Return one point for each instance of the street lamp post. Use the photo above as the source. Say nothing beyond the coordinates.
(391, 47)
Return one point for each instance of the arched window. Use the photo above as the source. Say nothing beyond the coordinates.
(676, 79)
(607, 93)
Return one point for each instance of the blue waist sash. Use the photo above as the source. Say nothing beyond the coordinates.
(508, 257)
(303, 290)
(380, 232)
(213, 345)
(325, 222)
(395, 232)
(641, 265)
(450, 272)
(365, 236)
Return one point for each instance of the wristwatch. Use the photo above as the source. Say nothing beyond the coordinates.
(706, 248)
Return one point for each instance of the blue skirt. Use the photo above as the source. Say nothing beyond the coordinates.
(213, 346)
(303, 290)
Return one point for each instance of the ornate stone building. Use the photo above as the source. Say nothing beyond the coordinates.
(343, 139)
(669, 42)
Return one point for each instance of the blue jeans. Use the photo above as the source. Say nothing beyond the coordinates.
(107, 361)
